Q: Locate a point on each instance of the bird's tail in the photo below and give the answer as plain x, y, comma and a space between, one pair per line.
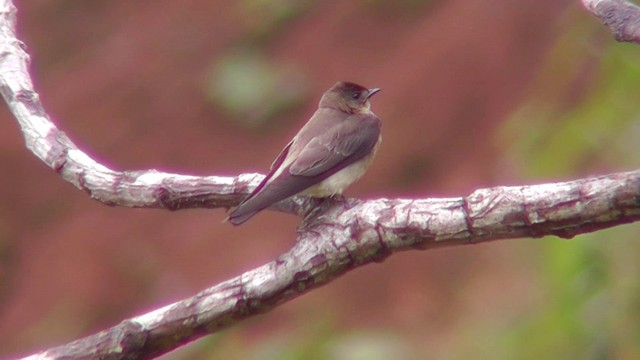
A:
238, 217
269, 193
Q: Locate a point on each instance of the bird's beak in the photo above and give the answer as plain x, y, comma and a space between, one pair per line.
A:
372, 92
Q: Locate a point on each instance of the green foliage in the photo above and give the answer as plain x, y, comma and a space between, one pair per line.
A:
583, 117
254, 90
557, 138
330, 343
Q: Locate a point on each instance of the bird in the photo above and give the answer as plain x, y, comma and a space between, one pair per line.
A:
330, 152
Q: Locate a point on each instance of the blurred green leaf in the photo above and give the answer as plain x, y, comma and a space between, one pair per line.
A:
330, 343
582, 110
253, 90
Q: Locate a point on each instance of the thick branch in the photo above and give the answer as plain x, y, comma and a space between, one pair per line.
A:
620, 16
354, 233
345, 235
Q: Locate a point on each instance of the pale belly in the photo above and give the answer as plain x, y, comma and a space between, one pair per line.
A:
338, 182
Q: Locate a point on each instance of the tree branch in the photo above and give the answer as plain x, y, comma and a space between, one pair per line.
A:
345, 234
354, 233
149, 188
620, 16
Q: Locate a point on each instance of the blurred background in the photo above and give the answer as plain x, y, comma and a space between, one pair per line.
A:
475, 94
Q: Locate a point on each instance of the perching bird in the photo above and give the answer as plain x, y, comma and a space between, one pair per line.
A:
331, 151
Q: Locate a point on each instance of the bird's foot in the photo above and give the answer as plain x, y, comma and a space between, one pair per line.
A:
318, 207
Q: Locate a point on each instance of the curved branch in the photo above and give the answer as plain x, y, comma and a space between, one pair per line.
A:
140, 188
345, 234
620, 16
149, 188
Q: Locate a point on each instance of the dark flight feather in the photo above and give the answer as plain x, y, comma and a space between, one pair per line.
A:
325, 155
340, 133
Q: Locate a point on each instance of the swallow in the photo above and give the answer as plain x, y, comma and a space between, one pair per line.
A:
331, 151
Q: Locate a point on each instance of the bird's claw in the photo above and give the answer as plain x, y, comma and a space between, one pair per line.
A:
319, 207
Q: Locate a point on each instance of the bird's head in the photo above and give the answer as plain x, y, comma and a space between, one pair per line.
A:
348, 97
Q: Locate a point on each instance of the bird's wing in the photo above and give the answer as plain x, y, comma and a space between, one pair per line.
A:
337, 148
326, 154
274, 168
246, 208
280, 159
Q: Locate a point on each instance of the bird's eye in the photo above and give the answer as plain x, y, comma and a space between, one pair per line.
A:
355, 95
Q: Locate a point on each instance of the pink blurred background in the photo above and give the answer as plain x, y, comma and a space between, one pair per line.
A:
142, 85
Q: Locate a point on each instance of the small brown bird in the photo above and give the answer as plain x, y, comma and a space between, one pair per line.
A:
331, 151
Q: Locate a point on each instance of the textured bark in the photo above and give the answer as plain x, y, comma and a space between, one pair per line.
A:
353, 233
620, 16
342, 234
